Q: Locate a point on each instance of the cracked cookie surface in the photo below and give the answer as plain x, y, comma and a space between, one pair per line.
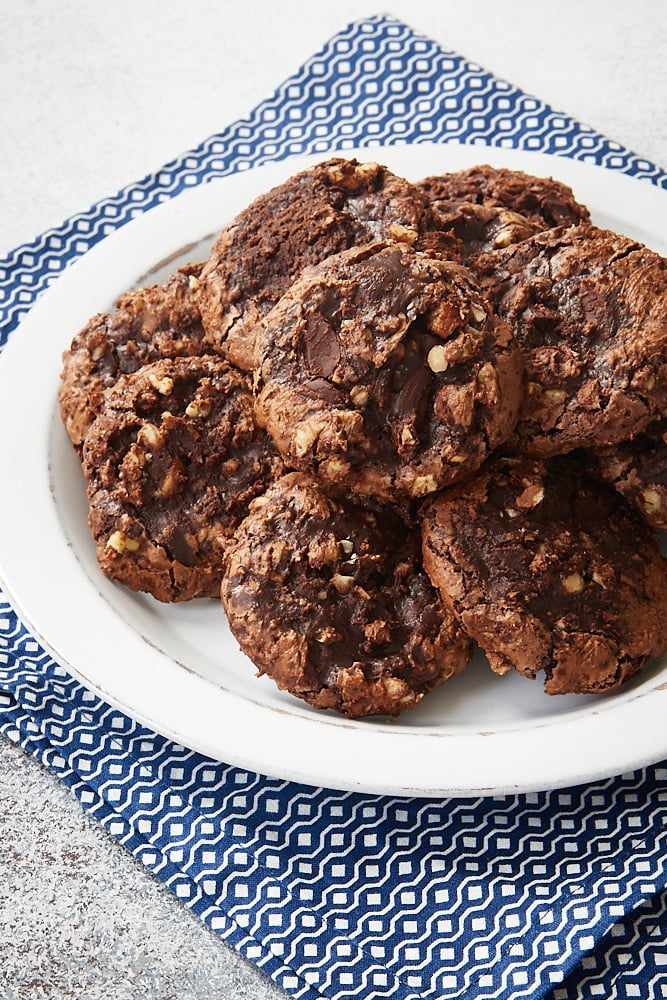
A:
145, 325
332, 206
172, 462
385, 371
543, 201
549, 569
588, 308
332, 603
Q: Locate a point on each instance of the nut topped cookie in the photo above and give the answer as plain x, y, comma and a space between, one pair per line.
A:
159, 321
549, 569
588, 308
332, 603
385, 371
320, 211
543, 201
172, 462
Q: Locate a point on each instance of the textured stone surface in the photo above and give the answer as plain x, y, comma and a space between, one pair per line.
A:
82, 918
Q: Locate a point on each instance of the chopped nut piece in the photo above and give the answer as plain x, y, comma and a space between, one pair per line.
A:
99, 352
198, 408
573, 584
347, 545
378, 631
359, 395
501, 670
350, 179
121, 542
504, 237
532, 496
395, 685
478, 313
173, 482
436, 359
488, 381
164, 386
650, 500
327, 634
149, 434
401, 233
343, 584
554, 395
423, 485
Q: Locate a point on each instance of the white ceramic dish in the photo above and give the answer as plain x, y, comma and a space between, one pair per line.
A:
177, 668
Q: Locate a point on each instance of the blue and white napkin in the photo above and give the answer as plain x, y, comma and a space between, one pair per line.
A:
335, 894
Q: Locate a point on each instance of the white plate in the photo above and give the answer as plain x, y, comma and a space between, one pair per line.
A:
176, 668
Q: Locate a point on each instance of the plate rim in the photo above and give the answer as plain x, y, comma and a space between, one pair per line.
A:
484, 760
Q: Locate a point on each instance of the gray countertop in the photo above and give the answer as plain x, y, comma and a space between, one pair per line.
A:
81, 918
99, 94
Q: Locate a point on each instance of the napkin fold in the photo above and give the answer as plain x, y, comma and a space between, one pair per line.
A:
338, 894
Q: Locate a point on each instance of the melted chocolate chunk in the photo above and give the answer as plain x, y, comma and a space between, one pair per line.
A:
321, 347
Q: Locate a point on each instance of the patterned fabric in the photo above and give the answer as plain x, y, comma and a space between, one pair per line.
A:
337, 894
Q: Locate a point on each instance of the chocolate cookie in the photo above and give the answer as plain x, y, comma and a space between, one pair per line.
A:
549, 570
172, 462
332, 603
638, 470
589, 309
160, 321
481, 228
541, 200
327, 208
384, 371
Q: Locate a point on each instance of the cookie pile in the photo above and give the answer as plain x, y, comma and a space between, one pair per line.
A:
385, 421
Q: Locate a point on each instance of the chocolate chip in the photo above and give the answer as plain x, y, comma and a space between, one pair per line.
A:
321, 389
320, 346
411, 401
179, 547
